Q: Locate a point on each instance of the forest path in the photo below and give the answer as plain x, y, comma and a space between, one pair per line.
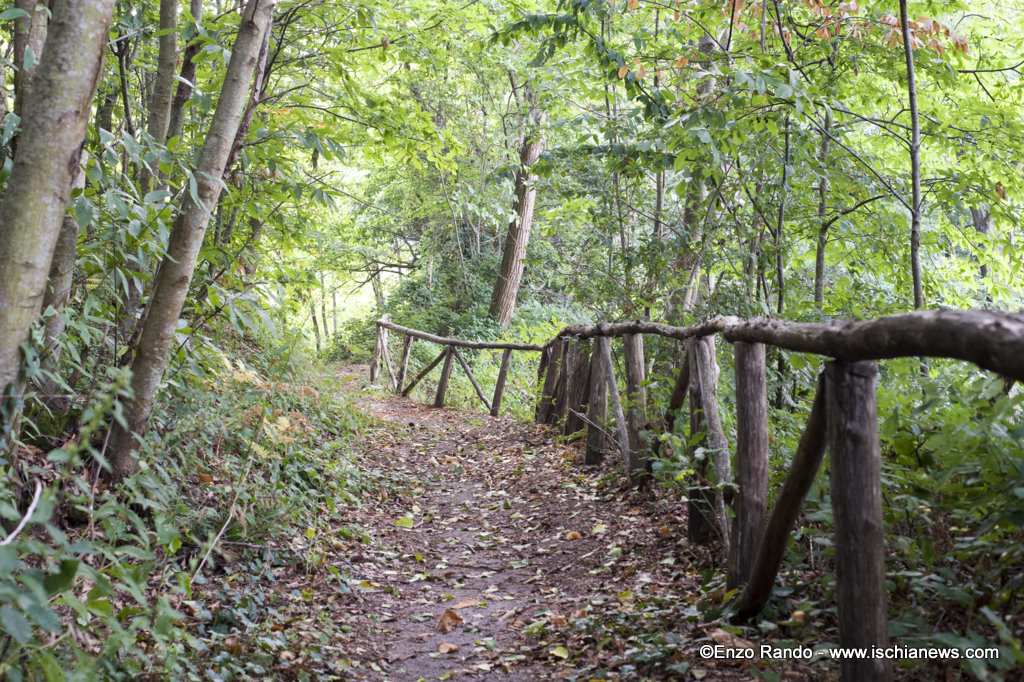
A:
497, 555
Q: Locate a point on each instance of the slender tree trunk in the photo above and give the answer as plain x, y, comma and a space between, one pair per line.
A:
187, 76
56, 112
506, 287
175, 272
316, 326
163, 87
58, 292
819, 255
29, 39
915, 162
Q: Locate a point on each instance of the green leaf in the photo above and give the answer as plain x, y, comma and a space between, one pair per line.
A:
15, 625
560, 652
59, 581
12, 13
405, 522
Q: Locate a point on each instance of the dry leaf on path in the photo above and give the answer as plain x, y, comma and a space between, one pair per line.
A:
449, 619
730, 640
446, 648
465, 603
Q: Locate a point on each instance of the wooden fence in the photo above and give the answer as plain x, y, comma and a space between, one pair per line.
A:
577, 382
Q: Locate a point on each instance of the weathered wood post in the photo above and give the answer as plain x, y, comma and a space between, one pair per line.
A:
403, 367
499, 387
579, 388
597, 408
852, 427
378, 353
751, 461
707, 505
547, 396
560, 405
446, 372
802, 470
636, 407
604, 347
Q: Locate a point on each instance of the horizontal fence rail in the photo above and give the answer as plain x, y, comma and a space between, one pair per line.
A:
576, 383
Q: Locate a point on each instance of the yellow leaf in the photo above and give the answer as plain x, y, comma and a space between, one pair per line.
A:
572, 535
560, 652
405, 522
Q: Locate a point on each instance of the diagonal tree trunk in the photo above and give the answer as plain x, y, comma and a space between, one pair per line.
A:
56, 112
506, 287
175, 272
163, 88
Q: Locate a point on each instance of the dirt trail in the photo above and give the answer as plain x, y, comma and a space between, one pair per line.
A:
503, 557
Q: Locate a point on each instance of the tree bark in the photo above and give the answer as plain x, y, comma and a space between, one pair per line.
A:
506, 287
176, 270
444, 341
316, 325
597, 409
57, 110
704, 375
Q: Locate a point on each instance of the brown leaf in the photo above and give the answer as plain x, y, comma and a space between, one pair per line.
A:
572, 535
730, 640
623, 71
446, 648
465, 603
449, 619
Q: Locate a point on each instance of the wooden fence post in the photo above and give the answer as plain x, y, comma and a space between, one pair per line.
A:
499, 387
804, 467
547, 396
403, 368
751, 461
636, 407
446, 372
856, 489
579, 387
378, 344
560, 406
597, 409
707, 505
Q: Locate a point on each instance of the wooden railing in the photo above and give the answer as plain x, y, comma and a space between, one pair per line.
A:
843, 419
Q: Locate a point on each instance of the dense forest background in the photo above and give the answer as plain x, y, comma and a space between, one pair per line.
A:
206, 205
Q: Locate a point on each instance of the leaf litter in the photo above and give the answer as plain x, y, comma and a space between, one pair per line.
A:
495, 536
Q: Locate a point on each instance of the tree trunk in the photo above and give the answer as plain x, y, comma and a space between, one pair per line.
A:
58, 291
29, 40
819, 255
56, 111
506, 287
172, 284
316, 326
636, 404
915, 162
163, 88
187, 76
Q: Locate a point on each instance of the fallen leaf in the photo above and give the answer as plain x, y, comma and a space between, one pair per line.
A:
730, 640
600, 528
446, 648
449, 619
560, 652
405, 522
572, 535
465, 603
